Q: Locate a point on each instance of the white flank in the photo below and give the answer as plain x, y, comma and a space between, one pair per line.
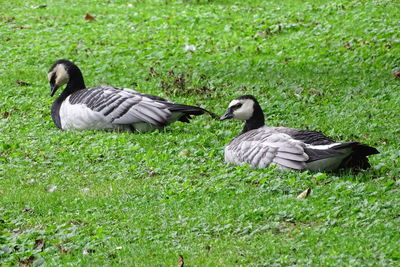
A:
143, 127
327, 164
80, 117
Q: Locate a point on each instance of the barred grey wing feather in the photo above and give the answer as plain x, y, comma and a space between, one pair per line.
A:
260, 148
122, 105
145, 111
152, 97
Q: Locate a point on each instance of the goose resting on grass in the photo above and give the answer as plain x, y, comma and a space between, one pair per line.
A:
107, 107
288, 148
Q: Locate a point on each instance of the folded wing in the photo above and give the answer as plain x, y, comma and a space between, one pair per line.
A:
123, 106
261, 148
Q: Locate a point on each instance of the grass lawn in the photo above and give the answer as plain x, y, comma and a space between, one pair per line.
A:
101, 198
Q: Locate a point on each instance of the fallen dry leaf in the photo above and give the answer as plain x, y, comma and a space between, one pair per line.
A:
397, 74
314, 91
304, 194
26, 262
22, 27
348, 46
10, 19
300, 90
181, 263
6, 114
22, 83
184, 153
39, 244
62, 249
28, 209
1, 192
89, 17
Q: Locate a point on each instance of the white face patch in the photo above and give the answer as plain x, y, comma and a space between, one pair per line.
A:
245, 111
62, 76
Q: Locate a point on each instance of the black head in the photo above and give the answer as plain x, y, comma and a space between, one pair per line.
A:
245, 108
62, 72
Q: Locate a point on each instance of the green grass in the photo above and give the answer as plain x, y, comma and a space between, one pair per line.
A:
143, 199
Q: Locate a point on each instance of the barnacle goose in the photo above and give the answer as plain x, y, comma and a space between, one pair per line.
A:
288, 148
107, 107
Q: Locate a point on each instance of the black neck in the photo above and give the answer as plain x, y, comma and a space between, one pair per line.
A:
55, 111
75, 82
256, 121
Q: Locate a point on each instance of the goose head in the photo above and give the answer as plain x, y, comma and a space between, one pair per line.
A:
245, 108
65, 72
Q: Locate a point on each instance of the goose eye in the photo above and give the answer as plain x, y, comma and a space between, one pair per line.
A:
238, 105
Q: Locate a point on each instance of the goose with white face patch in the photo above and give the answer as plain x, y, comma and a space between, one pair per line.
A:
288, 148
107, 107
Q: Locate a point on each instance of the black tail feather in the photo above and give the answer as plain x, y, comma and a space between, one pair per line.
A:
188, 111
358, 148
358, 157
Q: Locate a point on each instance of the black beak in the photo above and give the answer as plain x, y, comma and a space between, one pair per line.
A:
53, 89
228, 115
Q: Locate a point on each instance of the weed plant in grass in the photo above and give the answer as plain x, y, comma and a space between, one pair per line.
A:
101, 198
